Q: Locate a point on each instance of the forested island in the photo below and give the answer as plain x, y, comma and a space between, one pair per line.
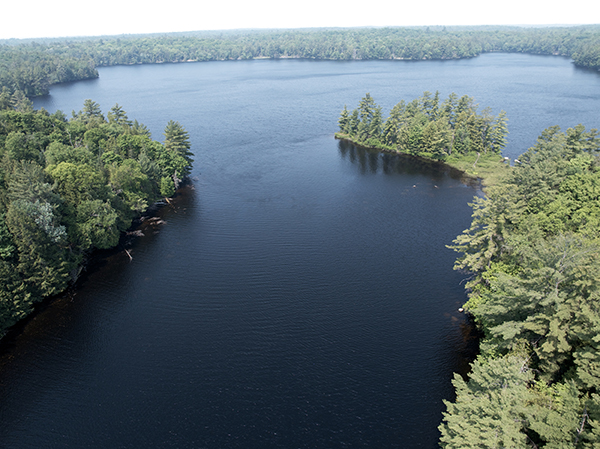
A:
533, 256
68, 187
31, 67
452, 131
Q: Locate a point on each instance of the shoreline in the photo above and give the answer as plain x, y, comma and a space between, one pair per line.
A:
492, 167
151, 216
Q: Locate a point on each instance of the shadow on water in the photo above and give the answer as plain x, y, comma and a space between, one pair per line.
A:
468, 350
372, 161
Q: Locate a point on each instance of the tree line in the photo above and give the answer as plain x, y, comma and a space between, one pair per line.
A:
533, 256
32, 67
426, 126
68, 186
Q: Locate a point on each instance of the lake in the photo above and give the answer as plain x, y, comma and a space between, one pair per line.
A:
300, 293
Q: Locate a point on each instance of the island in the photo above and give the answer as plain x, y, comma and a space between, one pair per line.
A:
451, 131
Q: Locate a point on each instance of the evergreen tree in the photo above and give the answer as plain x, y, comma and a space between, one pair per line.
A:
491, 408
6, 102
21, 102
91, 113
376, 125
177, 140
343, 120
353, 122
561, 418
118, 116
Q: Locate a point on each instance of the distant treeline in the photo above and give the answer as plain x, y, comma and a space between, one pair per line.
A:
32, 67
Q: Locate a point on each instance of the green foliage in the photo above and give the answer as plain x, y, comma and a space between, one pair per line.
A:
97, 225
344, 119
42, 265
58, 152
558, 415
131, 184
69, 186
424, 127
91, 114
77, 183
118, 116
177, 141
534, 250
167, 188
491, 409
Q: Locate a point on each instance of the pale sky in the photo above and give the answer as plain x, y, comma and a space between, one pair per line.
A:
58, 18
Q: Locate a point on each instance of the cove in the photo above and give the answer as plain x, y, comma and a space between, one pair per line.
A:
300, 293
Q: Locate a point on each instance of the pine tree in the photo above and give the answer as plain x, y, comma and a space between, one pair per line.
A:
353, 122
177, 140
118, 116
343, 120
376, 125
490, 409
6, 101
21, 102
91, 113
560, 418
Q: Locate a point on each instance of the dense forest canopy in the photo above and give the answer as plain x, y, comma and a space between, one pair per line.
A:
533, 252
69, 186
426, 126
32, 67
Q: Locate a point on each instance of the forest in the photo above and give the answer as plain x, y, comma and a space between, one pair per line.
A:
426, 126
32, 66
532, 255
68, 186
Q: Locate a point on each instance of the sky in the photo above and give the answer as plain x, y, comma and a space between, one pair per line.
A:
62, 18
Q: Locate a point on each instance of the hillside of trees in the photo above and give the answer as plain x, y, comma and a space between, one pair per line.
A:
31, 67
69, 186
533, 256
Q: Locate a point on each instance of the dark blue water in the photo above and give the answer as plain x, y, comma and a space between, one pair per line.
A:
300, 294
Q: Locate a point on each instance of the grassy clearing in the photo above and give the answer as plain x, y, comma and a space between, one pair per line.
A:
490, 168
